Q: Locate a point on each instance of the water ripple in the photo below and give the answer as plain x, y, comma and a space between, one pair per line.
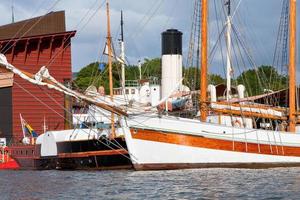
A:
280, 183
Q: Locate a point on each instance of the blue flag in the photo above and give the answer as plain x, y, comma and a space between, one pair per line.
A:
101, 66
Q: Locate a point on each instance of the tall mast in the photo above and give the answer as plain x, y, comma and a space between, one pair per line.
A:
292, 67
203, 83
228, 37
122, 53
110, 67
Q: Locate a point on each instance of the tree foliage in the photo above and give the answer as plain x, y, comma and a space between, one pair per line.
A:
256, 81
93, 75
265, 78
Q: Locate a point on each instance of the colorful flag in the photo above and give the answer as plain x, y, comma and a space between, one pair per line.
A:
27, 128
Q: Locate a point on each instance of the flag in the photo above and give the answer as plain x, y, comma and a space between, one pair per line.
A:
30, 131
101, 66
27, 129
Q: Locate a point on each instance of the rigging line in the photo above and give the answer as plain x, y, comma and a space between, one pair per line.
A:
95, 70
237, 64
213, 51
87, 13
19, 38
192, 36
248, 55
148, 20
100, 61
139, 31
244, 79
173, 9
102, 73
280, 53
144, 18
279, 33
43, 102
259, 46
146, 14
118, 145
60, 114
236, 9
67, 45
220, 24
198, 41
37, 9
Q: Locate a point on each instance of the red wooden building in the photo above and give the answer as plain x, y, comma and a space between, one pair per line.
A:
29, 45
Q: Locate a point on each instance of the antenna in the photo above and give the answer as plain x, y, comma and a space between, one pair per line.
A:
122, 24
12, 12
122, 46
228, 4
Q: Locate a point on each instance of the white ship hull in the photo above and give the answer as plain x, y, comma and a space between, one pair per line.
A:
172, 143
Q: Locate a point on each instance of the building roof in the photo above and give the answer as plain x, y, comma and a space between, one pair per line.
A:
53, 22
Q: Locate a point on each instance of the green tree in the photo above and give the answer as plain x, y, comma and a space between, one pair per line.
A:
215, 79
86, 75
92, 75
192, 78
264, 78
151, 68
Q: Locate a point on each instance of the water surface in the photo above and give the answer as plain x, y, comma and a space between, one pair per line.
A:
280, 183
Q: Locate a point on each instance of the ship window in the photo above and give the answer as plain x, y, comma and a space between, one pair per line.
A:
135, 131
32, 152
132, 91
127, 91
26, 152
21, 152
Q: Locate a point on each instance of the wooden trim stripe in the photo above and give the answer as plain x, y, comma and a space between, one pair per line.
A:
93, 153
217, 144
173, 166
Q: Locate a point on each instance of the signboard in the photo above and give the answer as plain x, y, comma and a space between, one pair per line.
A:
2, 141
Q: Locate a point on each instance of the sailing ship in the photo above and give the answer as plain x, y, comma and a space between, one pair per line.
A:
166, 142
156, 141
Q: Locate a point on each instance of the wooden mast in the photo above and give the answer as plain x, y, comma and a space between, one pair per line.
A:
110, 68
292, 67
203, 56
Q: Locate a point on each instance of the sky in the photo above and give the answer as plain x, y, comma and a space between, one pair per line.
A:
145, 20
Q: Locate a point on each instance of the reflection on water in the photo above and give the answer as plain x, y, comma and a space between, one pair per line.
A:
280, 183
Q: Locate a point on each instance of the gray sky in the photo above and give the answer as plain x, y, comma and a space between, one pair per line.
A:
145, 20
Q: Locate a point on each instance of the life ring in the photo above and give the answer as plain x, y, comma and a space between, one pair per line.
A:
236, 123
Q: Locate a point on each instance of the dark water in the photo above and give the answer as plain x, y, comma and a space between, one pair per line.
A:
280, 183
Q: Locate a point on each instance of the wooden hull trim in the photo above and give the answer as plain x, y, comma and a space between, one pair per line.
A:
216, 144
176, 166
